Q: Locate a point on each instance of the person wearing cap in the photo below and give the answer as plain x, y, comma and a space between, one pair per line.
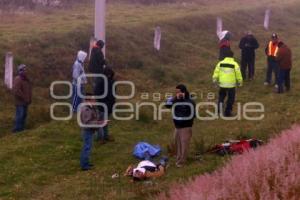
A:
22, 90
90, 124
248, 45
284, 59
79, 79
183, 118
227, 75
271, 52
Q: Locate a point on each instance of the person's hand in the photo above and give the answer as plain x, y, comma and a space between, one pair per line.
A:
239, 84
103, 122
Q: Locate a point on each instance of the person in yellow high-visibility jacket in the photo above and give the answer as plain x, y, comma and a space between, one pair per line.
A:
228, 76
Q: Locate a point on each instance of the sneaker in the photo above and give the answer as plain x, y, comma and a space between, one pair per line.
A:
86, 169
91, 165
276, 86
266, 83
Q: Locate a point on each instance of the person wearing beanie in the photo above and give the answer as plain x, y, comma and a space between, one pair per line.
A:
248, 45
227, 75
284, 59
22, 90
79, 79
271, 52
183, 118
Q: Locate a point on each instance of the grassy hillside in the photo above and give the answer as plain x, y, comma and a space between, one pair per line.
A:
43, 163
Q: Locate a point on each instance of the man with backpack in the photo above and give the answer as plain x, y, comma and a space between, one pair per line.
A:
227, 75
90, 124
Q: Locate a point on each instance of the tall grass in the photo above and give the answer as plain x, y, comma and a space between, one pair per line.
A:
271, 172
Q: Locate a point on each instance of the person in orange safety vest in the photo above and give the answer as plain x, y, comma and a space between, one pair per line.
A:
271, 52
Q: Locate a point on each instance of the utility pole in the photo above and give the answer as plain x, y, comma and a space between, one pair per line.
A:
100, 11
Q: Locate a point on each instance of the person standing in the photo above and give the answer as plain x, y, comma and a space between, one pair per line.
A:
224, 44
271, 52
183, 117
90, 124
97, 60
109, 101
227, 75
284, 59
79, 79
22, 90
248, 45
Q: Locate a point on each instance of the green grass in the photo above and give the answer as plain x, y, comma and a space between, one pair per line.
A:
43, 162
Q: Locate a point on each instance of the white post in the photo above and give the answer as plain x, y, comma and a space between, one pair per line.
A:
100, 8
8, 75
219, 25
267, 19
157, 38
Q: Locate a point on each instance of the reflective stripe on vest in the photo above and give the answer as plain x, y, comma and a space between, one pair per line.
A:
228, 85
273, 49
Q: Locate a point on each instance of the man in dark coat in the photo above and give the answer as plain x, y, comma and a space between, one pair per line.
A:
109, 100
22, 90
284, 59
248, 45
97, 60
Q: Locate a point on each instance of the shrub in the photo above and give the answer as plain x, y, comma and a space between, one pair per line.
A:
271, 172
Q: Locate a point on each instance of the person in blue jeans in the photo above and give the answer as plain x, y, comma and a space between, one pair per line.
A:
22, 90
271, 52
284, 59
90, 124
20, 119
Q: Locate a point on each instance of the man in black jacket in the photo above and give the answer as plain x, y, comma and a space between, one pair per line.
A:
248, 45
109, 100
183, 117
97, 61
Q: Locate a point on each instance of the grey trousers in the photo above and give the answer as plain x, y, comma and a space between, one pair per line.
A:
182, 141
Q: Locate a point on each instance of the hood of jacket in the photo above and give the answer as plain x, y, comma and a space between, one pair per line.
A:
81, 56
